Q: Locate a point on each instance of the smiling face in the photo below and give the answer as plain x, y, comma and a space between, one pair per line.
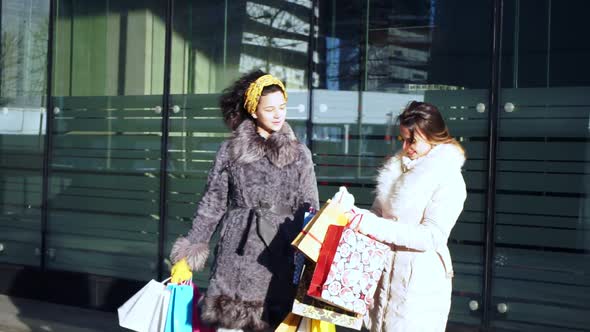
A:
271, 113
415, 147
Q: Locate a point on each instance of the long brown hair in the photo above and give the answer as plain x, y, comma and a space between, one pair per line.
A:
427, 119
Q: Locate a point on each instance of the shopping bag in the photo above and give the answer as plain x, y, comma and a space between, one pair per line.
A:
198, 325
310, 307
146, 310
180, 308
299, 257
304, 325
310, 239
159, 319
327, 253
289, 324
349, 269
321, 326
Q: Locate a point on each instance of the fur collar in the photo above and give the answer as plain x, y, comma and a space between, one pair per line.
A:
247, 146
443, 155
441, 160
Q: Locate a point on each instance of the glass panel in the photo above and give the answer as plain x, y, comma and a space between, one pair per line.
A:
370, 67
542, 261
213, 44
23, 64
104, 184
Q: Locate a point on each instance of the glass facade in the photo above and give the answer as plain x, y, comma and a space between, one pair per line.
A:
104, 170
23, 80
542, 217
103, 158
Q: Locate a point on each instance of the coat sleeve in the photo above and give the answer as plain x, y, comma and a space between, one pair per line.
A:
440, 216
194, 247
308, 187
376, 208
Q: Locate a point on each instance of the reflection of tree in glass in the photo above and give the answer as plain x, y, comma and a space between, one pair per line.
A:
23, 56
9, 46
38, 53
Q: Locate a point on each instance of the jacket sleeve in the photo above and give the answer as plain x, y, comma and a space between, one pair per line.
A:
308, 187
211, 208
376, 208
440, 217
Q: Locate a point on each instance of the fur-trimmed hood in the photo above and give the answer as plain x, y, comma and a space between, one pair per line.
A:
247, 146
442, 159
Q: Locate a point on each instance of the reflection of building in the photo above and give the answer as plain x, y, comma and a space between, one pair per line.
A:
281, 31
22, 121
398, 56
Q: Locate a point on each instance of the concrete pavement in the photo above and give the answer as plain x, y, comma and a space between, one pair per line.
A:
24, 315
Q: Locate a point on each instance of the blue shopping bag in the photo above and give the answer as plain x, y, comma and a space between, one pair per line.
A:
299, 257
180, 309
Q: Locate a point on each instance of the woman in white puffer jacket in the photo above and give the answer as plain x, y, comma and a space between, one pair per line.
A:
420, 194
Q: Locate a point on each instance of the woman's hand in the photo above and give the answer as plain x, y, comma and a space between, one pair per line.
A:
373, 225
180, 272
368, 224
344, 198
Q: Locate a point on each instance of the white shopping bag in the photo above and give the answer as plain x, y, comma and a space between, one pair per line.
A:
304, 325
146, 310
158, 322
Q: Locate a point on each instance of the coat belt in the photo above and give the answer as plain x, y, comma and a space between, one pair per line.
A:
264, 227
402, 248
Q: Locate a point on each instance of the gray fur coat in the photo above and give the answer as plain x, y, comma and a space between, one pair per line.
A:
256, 193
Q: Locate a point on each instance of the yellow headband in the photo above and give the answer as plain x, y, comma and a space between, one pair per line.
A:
255, 91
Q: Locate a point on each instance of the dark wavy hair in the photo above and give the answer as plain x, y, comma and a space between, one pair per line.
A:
427, 119
231, 101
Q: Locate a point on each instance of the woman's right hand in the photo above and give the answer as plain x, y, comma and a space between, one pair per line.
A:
344, 198
180, 272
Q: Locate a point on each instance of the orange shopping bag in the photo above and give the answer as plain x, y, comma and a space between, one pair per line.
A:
310, 239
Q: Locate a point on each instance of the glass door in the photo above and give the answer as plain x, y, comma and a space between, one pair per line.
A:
438, 52
370, 67
541, 267
104, 185
23, 72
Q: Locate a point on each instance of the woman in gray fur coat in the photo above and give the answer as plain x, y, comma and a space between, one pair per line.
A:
261, 183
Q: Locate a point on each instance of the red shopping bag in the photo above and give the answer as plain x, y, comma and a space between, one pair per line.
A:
198, 326
326, 257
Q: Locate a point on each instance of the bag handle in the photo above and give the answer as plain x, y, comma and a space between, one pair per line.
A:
353, 219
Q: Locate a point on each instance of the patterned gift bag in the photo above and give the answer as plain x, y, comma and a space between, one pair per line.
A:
310, 307
349, 269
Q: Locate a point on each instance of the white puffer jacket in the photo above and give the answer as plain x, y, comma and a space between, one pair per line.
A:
417, 205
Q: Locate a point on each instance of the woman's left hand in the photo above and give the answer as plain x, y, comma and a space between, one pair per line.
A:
371, 224
180, 272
